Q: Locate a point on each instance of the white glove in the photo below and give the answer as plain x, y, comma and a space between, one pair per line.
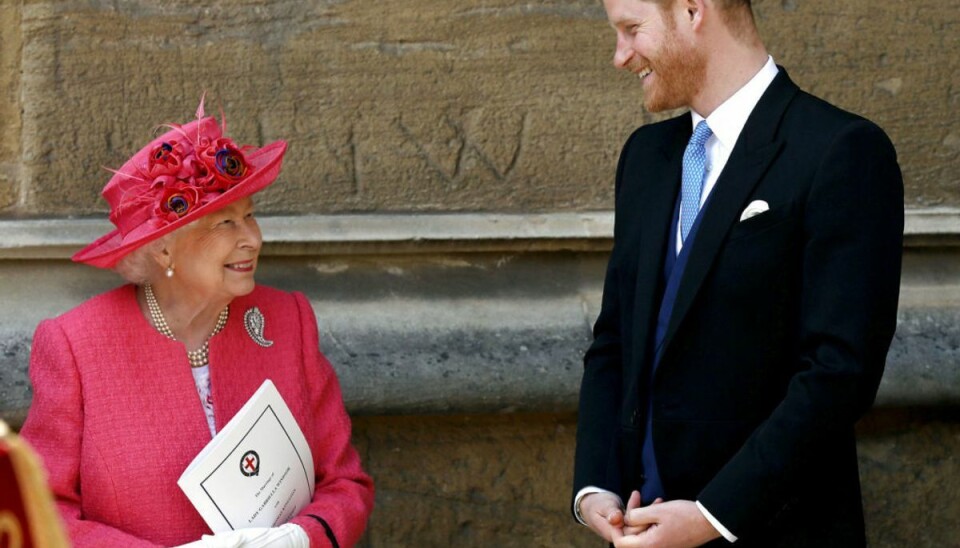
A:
287, 535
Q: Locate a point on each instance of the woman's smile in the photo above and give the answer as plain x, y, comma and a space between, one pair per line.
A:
246, 266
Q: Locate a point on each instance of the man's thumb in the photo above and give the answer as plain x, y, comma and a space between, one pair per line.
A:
615, 518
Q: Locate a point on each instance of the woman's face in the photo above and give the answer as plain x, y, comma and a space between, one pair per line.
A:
215, 257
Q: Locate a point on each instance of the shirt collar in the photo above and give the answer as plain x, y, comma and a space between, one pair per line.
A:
728, 119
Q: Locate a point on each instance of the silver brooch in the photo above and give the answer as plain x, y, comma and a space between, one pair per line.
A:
253, 321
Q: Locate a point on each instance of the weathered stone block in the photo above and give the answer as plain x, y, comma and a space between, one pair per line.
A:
506, 480
429, 105
9, 186
9, 105
910, 476
471, 481
892, 62
406, 106
9, 84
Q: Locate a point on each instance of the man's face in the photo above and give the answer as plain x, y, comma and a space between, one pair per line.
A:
656, 44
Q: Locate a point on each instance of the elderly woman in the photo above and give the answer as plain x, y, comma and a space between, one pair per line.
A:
131, 385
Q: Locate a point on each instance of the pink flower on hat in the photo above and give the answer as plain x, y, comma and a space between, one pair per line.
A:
165, 159
200, 174
176, 200
184, 175
225, 161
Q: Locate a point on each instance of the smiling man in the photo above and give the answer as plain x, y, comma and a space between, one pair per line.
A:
749, 302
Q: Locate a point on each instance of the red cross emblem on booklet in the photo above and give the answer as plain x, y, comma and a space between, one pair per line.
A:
250, 464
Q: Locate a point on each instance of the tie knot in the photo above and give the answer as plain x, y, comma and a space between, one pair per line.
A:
701, 133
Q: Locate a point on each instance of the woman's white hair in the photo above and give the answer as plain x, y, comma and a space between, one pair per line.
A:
139, 266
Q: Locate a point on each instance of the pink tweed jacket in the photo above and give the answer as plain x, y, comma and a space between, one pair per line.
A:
116, 418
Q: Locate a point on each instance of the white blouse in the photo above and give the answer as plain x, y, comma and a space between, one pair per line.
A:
201, 376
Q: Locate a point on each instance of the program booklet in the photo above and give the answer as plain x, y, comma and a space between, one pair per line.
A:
256, 472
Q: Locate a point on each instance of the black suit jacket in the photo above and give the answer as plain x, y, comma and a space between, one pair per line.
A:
779, 331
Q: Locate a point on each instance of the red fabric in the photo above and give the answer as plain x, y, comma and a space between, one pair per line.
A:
11, 504
116, 417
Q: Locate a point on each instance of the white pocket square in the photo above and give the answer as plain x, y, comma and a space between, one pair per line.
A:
755, 208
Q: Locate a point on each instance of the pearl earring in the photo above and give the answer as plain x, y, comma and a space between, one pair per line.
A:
170, 271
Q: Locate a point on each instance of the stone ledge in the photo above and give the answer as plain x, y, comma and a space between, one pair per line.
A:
415, 233
932, 227
474, 333
515, 367
352, 234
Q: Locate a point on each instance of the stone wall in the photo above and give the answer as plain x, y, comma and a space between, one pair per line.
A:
422, 105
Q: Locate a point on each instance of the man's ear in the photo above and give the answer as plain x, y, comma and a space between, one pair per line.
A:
695, 10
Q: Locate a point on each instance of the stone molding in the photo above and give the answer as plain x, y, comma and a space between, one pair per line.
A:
462, 313
416, 232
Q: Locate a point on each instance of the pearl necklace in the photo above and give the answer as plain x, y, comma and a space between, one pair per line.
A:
198, 357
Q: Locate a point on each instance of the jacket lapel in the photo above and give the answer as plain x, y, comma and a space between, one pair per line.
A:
657, 200
755, 150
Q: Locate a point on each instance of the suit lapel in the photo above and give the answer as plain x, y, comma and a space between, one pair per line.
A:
657, 200
755, 150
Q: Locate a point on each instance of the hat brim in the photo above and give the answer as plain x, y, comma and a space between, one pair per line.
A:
107, 250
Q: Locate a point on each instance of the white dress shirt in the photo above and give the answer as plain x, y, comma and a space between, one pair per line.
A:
726, 123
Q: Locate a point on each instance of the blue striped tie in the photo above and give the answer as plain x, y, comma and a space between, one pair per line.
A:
694, 168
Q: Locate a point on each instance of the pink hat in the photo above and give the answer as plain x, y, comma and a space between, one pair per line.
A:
184, 174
